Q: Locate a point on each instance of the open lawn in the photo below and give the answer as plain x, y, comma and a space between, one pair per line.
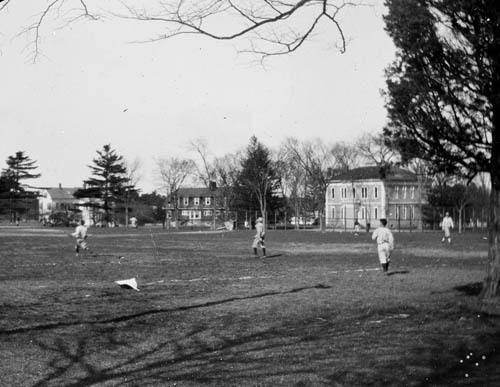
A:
317, 312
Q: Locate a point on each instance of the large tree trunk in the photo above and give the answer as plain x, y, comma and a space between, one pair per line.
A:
491, 289
491, 292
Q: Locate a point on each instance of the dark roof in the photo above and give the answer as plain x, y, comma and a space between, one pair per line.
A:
62, 193
196, 192
376, 173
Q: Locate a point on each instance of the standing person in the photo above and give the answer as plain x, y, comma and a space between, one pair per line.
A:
385, 244
447, 225
81, 237
356, 228
259, 238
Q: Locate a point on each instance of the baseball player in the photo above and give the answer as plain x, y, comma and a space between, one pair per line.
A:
81, 237
385, 244
259, 237
447, 225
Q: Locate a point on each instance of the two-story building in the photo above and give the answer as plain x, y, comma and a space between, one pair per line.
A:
53, 200
367, 194
196, 206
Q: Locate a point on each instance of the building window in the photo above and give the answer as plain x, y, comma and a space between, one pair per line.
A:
375, 213
363, 213
405, 212
404, 192
397, 212
342, 212
207, 201
333, 193
364, 192
208, 212
343, 193
413, 212
196, 201
333, 212
412, 192
353, 192
185, 201
185, 213
375, 192
396, 193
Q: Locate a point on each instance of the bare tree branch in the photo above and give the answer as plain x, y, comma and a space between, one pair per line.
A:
272, 27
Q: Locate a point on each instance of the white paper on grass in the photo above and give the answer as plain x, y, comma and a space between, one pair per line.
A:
130, 283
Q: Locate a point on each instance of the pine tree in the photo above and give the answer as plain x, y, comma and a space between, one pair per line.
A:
108, 182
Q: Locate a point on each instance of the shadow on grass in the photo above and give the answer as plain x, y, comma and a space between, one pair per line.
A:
42, 327
472, 289
398, 272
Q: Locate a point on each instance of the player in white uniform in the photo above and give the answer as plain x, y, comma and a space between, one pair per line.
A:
385, 244
259, 237
81, 237
447, 225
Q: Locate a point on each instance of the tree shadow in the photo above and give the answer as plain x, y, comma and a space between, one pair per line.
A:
398, 272
472, 289
145, 313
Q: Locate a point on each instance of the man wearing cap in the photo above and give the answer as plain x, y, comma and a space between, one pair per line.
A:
385, 244
259, 237
447, 225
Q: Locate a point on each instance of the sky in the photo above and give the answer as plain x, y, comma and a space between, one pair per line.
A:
93, 86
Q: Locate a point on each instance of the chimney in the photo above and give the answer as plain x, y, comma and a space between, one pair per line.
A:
60, 186
212, 185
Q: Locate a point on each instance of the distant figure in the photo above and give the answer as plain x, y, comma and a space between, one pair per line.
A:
385, 244
356, 228
81, 237
447, 225
133, 222
18, 219
246, 225
258, 241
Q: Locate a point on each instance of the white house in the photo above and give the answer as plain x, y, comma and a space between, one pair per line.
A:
367, 194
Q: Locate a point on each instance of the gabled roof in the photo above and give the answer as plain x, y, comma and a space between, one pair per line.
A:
376, 173
59, 194
196, 192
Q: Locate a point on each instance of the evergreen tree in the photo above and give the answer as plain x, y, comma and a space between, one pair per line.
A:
108, 182
257, 180
13, 193
444, 96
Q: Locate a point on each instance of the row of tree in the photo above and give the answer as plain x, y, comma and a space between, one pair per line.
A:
292, 179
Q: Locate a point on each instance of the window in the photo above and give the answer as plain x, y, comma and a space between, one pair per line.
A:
333, 193
363, 213
343, 193
185, 213
332, 213
412, 192
185, 201
207, 201
396, 193
397, 213
208, 212
404, 192
342, 212
375, 192
353, 192
405, 212
364, 192
375, 213
196, 201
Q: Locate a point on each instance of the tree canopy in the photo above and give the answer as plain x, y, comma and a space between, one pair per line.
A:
443, 95
109, 181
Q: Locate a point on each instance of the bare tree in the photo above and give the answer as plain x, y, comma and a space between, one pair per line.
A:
172, 172
271, 27
345, 156
374, 149
133, 168
205, 165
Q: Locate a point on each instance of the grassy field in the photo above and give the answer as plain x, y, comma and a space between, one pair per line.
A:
317, 312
